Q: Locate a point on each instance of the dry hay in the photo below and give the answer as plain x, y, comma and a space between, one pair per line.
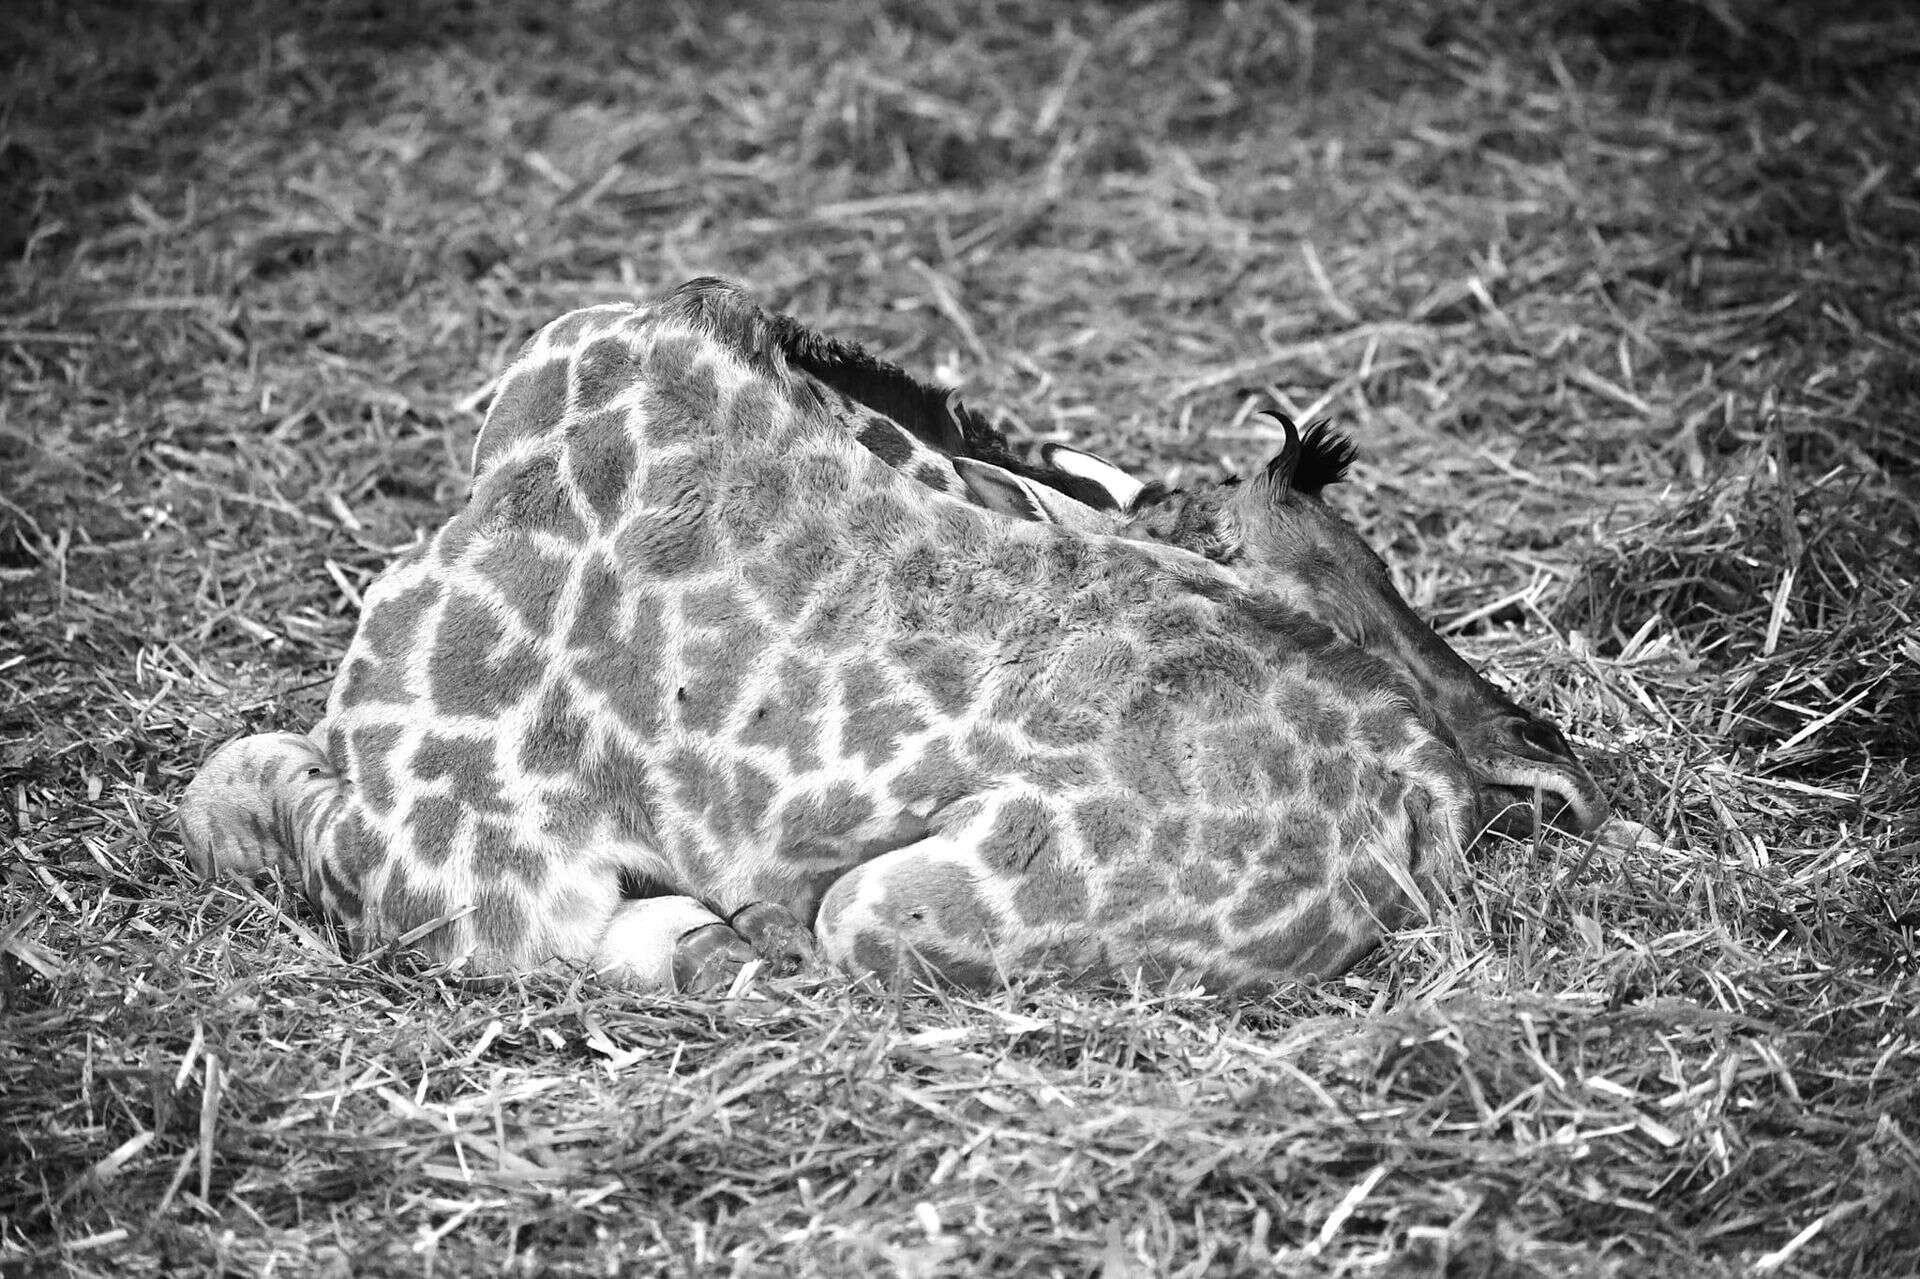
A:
1618, 297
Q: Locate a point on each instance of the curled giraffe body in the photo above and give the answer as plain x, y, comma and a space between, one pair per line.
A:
696, 676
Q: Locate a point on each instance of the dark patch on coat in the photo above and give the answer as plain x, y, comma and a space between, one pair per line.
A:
406, 903
829, 813
531, 403
500, 922
357, 848
887, 441
366, 682
369, 764
434, 823
787, 715
526, 496
466, 764
555, 741
470, 671
527, 578
391, 628
1111, 827
946, 671
937, 778
711, 685
497, 856
601, 461
1022, 834
602, 370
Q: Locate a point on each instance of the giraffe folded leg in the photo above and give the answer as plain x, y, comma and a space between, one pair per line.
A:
928, 909
678, 943
252, 803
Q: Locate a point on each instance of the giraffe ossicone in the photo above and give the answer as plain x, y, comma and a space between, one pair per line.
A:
699, 674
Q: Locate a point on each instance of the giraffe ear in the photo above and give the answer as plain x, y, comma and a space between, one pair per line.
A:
1280, 470
999, 489
1116, 483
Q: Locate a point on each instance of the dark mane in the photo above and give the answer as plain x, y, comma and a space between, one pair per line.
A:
1325, 456
923, 409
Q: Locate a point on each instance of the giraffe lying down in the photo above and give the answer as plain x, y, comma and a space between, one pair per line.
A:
696, 677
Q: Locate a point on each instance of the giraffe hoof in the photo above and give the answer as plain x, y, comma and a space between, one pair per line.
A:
708, 958
776, 937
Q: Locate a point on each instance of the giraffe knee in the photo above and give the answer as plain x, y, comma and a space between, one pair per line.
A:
916, 920
227, 816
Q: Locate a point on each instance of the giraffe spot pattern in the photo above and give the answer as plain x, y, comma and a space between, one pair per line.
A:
830, 813
937, 778
556, 739
567, 332
603, 370
672, 537
754, 792
497, 855
467, 766
596, 615
1055, 722
698, 786
601, 462
616, 785
530, 403
369, 752
472, 670
876, 722
342, 897
1111, 826
679, 411
788, 715
406, 903
886, 441
357, 850
1235, 840
1279, 887
946, 671
528, 579
627, 672
1331, 778
434, 822
1022, 834
882, 519
390, 626
526, 496
500, 919
994, 752
364, 681
713, 684
1133, 886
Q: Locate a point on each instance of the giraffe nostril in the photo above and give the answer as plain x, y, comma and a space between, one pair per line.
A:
1540, 736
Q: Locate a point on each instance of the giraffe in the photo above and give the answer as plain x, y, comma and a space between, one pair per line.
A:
1298, 548
696, 678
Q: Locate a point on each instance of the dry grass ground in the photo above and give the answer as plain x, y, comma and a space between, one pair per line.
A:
1618, 296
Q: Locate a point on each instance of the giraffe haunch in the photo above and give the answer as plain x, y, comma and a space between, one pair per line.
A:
696, 669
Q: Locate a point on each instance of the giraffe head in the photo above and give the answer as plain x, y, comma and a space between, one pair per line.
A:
1277, 532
